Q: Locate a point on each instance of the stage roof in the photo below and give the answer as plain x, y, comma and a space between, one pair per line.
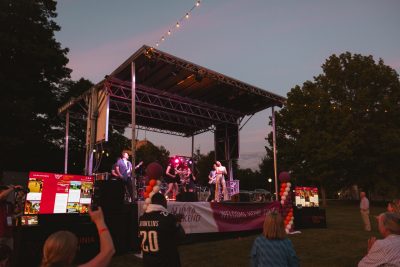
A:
176, 96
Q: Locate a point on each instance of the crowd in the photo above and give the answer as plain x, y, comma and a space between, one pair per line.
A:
161, 231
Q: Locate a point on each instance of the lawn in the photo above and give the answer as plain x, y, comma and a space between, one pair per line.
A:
342, 243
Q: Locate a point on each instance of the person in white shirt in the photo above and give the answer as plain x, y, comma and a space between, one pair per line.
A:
220, 180
364, 209
386, 251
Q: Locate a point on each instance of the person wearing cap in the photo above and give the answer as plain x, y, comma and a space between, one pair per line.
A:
386, 251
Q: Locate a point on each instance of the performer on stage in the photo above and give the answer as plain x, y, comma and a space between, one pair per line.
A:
220, 179
124, 170
185, 175
172, 179
211, 183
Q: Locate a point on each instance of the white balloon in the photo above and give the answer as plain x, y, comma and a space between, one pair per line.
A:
283, 197
282, 201
285, 194
158, 182
287, 189
147, 200
151, 194
156, 188
288, 184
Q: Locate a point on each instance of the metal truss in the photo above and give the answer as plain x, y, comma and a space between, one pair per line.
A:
154, 53
150, 97
191, 123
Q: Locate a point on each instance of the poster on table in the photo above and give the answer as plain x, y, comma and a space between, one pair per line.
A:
306, 196
51, 193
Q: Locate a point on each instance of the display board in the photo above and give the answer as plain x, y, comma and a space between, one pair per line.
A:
51, 193
306, 196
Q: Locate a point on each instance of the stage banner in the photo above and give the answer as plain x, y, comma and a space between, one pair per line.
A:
231, 217
205, 217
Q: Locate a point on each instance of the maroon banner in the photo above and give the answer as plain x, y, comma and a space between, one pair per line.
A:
241, 216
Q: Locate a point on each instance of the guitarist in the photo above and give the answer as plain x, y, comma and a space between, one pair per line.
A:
211, 182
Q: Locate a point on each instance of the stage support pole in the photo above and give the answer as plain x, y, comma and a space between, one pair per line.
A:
274, 150
192, 153
66, 142
133, 123
90, 130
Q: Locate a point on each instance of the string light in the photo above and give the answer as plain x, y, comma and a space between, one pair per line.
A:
178, 24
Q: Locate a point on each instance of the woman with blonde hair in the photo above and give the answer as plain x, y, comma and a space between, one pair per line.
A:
273, 248
60, 248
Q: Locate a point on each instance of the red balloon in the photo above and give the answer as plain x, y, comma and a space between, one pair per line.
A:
146, 195
152, 182
149, 188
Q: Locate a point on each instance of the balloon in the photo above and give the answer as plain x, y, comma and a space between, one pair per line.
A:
156, 188
284, 177
283, 184
154, 170
282, 201
285, 194
151, 194
145, 207
149, 188
283, 197
146, 195
152, 182
147, 201
158, 182
287, 189
288, 184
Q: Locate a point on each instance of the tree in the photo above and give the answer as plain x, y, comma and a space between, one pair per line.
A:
343, 128
32, 65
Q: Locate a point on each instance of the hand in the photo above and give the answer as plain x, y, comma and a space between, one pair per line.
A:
371, 242
97, 215
18, 187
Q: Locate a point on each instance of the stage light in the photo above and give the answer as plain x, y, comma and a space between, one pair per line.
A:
162, 38
177, 25
94, 150
187, 15
190, 162
156, 44
176, 161
169, 32
103, 152
197, 3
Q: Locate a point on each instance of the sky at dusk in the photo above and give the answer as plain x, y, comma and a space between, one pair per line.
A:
273, 45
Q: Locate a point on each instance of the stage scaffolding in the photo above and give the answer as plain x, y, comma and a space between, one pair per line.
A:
171, 96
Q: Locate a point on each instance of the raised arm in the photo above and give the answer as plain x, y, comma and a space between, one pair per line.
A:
107, 249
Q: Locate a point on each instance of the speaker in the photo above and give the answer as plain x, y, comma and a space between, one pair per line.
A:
186, 197
109, 195
226, 139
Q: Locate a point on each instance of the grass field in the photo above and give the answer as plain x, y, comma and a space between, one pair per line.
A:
342, 243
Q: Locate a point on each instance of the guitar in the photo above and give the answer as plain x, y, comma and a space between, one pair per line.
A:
213, 179
140, 164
